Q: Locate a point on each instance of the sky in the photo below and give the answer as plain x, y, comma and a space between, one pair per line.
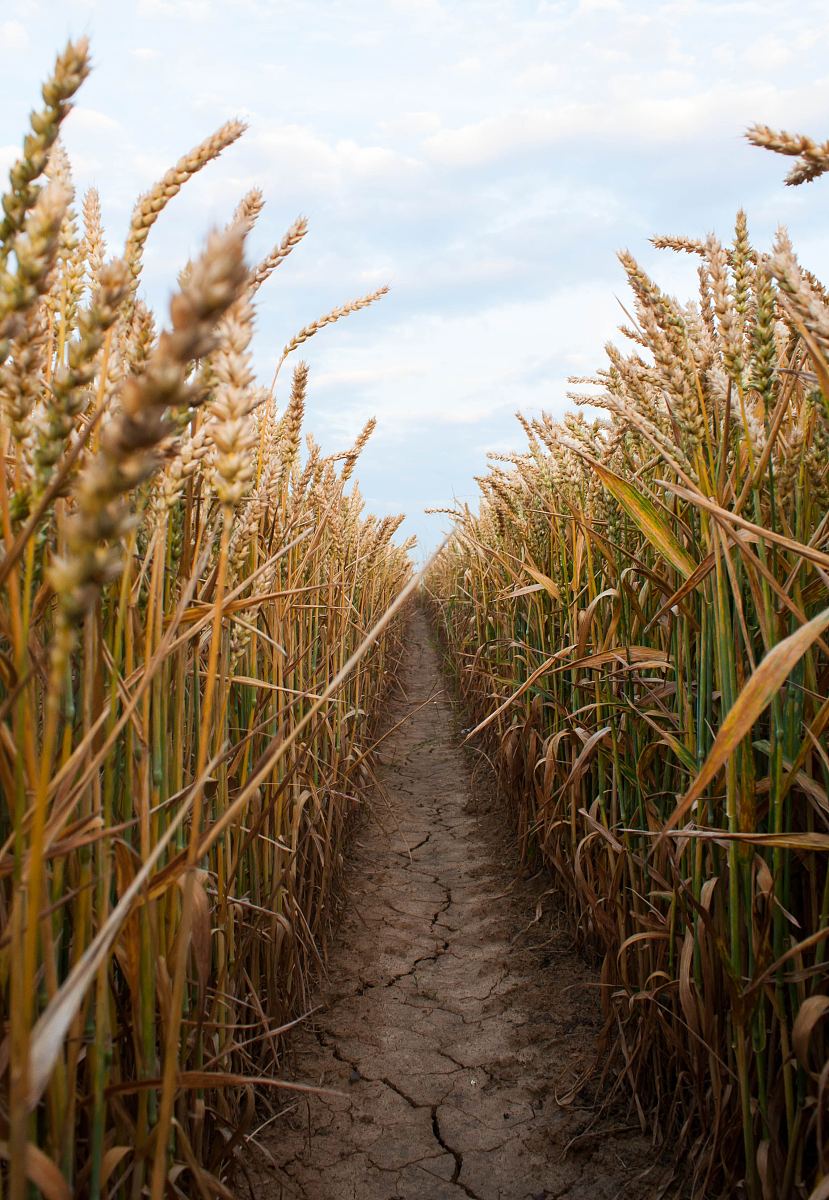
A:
485, 158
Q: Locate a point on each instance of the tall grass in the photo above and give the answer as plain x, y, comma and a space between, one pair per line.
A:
638, 618
187, 689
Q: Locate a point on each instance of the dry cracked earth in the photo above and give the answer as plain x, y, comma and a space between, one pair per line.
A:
450, 1018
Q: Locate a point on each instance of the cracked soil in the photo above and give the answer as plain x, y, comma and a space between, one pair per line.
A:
450, 1019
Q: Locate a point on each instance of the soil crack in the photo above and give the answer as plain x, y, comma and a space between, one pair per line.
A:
447, 1036
458, 1157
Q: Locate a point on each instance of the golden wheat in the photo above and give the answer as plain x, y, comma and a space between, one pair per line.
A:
638, 620
180, 618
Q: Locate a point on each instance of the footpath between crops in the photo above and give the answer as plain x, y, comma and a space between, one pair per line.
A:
451, 1018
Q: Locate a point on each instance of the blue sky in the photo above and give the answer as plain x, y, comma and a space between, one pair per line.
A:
484, 157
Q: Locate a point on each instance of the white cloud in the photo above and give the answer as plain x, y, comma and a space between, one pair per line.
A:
431, 11
634, 118
433, 7
91, 120
479, 364
486, 141
312, 160
188, 10
13, 36
366, 38
372, 376
410, 124
539, 76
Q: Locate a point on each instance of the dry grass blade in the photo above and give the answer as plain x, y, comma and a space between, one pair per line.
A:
754, 698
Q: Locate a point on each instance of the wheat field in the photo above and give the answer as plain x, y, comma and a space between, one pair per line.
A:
637, 619
202, 627
195, 635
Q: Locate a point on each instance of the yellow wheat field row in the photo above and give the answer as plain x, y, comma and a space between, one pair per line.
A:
187, 687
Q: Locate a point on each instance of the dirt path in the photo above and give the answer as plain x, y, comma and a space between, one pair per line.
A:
445, 1023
